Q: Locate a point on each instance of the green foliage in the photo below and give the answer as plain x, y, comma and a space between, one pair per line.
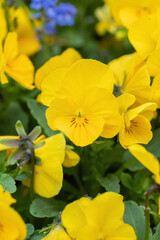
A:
134, 216
42, 207
7, 182
110, 183
38, 112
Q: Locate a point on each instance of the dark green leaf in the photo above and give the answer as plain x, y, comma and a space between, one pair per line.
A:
110, 183
38, 112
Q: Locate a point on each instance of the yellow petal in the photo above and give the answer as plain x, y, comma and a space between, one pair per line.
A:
146, 158
125, 101
51, 85
3, 24
4, 79
71, 159
21, 70
104, 208
155, 88
12, 224
131, 114
141, 36
49, 175
10, 46
85, 74
119, 68
6, 197
73, 216
139, 131
153, 63
83, 129
65, 60
57, 233
138, 85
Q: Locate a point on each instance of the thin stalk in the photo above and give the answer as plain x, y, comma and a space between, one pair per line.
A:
30, 146
147, 209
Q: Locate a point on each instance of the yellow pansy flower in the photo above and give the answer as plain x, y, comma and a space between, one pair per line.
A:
12, 227
147, 159
136, 128
27, 40
146, 39
62, 61
86, 107
107, 23
48, 176
57, 233
101, 218
131, 76
18, 67
126, 12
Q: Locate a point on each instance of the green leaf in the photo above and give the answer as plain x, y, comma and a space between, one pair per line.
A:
134, 216
110, 183
156, 236
7, 183
3, 162
154, 144
38, 112
126, 180
37, 236
42, 207
30, 230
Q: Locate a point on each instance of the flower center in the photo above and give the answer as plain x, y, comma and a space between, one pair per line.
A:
79, 121
129, 129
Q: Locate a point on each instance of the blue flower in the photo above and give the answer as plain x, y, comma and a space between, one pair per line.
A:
54, 15
65, 14
36, 4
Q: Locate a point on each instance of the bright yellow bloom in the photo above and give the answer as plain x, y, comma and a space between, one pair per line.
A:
48, 176
62, 61
147, 159
85, 108
18, 67
107, 23
101, 218
146, 39
27, 40
126, 12
136, 128
131, 76
12, 227
57, 233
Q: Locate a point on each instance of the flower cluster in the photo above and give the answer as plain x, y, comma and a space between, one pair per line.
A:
54, 15
100, 218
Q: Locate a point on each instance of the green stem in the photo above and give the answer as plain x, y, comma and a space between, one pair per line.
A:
30, 146
147, 209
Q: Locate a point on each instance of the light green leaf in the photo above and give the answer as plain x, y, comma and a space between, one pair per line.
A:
7, 183
42, 207
110, 183
134, 216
